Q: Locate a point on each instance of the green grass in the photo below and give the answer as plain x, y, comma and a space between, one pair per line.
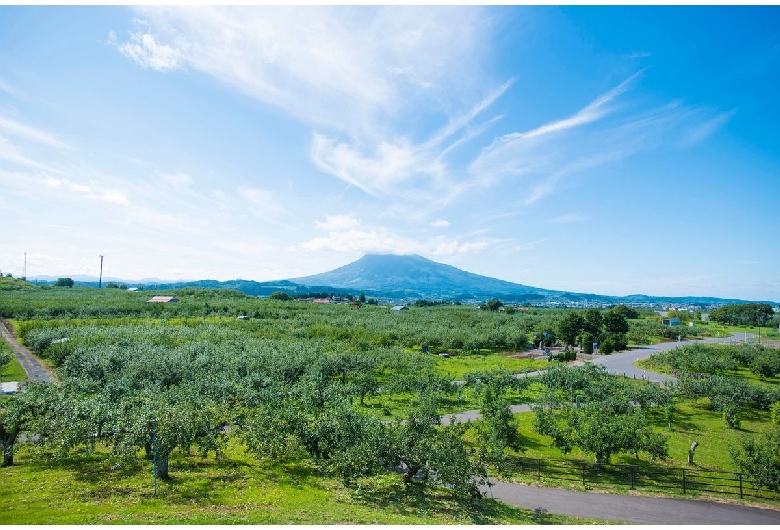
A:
13, 371
233, 489
457, 366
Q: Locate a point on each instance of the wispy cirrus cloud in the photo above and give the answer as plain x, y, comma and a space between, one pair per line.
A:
339, 68
26, 132
698, 132
603, 132
398, 167
353, 74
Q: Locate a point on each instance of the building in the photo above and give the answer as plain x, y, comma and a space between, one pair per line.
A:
674, 321
161, 300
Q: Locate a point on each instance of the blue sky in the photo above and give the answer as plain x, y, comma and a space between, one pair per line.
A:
614, 150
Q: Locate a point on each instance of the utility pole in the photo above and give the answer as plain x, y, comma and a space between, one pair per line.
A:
100, 281
24, 272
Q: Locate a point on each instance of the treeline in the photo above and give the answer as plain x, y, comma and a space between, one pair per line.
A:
743, 314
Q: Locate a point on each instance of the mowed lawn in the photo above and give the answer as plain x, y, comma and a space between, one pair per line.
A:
236, 488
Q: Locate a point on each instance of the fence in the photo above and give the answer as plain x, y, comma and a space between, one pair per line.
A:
645, 477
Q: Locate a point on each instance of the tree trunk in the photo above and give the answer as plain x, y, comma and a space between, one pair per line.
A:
410, 473
8, 448
162, 466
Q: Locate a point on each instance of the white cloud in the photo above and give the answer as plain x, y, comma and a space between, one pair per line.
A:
336, 67
398, 167
440, 223
347, 237
338, 223
146, 51
353, 74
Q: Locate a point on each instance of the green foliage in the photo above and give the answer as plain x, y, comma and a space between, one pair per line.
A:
497, 429
570, 326
64, 282
280, 295
774, 412
587, 343
759, 457
742, 314
5, 356
593, 321
615, 322
613, 342
625, 311
766, 362
494, 305
586, 407
601, 429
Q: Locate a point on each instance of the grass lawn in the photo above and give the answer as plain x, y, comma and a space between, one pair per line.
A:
13, 371
235, 489
457, 366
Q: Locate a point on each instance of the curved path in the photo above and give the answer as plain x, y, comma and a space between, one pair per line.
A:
630, 508
35, 370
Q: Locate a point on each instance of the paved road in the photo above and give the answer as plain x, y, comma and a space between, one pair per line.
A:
34, 368
631, 508
623, 362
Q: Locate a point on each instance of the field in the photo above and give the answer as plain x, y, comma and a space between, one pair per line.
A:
264, 411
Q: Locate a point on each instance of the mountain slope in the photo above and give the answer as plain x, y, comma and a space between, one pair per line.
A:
415, 276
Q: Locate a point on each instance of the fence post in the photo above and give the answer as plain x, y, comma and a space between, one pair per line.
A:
683, 481
539, 469
740, 485
632, 476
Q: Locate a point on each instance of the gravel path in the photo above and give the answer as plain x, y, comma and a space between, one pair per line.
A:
36, 371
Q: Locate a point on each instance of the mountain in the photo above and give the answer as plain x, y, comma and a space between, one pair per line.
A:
392, 277
415, 276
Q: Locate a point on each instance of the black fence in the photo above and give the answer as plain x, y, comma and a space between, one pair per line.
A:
645, 477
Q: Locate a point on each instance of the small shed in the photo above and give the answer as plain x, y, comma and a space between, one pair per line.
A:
11, 387
674, 321
161, 300
399, 307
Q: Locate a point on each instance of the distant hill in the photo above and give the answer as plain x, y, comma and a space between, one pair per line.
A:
393, 277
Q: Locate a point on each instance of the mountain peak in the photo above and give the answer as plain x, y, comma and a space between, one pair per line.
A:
414, 276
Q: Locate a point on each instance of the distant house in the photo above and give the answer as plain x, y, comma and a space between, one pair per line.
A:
11, 387
399, 308
161, 300
674, 321
321, 301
